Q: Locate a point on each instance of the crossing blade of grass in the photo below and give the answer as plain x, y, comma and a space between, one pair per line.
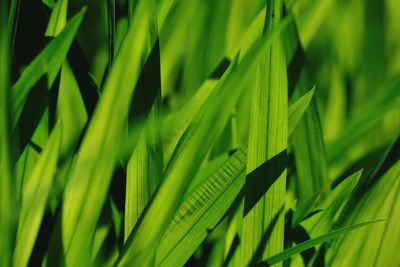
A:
7, 185
202, 211
387, 160
187, 234
379, 199
144, 172
34, 198
31, 153
267, 137
322, 222
209, 200
318, 219
140, 246
169, 195
47, 62
286, 254
183, 118
91, 176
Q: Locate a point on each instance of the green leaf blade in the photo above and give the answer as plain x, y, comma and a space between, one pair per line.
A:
91, 176
47, 62
313, 242
7, 185
267, 137
34, 198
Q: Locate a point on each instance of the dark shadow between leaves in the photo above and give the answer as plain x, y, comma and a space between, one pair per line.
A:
55, 250
319, 260
43, 240
81, 70
260, 180
220, 69
299, 235
295, 67
32, 112
148, 86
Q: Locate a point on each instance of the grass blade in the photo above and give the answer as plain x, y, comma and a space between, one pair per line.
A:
373, 199
286, 254
34, 198
13, 22
209, 199
202, 211
58, 18
91, 176
47, 62
144, 170
111, 33
309, 148
322, 222
267, 138
7, 186
140, 247
297, 109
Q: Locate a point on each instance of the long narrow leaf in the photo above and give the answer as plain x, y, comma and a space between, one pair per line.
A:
267, 137
34, 198
144, 170
7, 185
47, 62
91, 176
206, 204
202, 211
58, 18
286, 254
140, 247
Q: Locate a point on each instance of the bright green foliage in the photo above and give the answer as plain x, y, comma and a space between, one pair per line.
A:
88, 183
311, 243
34, 197
267, 137
199, 133
7, 183
373, 248
58, 18
202, 212
144, 168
